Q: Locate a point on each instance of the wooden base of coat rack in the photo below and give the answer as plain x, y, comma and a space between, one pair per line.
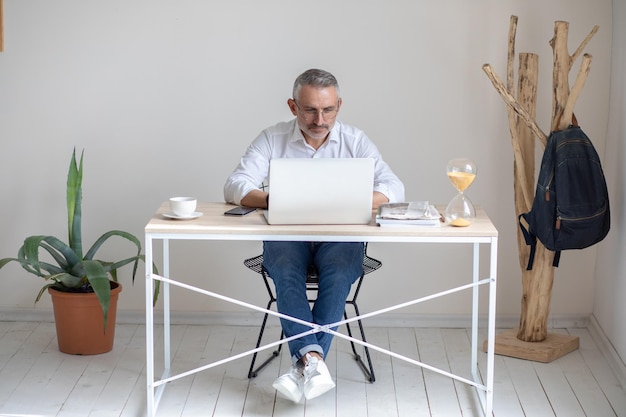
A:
553, 347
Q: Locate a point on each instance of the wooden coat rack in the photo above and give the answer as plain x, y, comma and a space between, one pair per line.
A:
531, 340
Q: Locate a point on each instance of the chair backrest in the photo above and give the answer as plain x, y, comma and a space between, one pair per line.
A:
256, 264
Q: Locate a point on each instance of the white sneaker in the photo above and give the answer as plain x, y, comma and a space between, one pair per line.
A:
290, 384
317, 379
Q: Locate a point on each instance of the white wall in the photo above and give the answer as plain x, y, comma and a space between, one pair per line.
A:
164, 96
609, 307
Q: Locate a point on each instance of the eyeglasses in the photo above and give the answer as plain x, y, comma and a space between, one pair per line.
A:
311, 113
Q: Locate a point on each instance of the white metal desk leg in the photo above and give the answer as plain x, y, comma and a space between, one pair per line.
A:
154, 396
149, 330
165, 288
475, 293
493, 271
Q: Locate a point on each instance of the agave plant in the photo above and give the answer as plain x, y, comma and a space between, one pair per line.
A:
75, 271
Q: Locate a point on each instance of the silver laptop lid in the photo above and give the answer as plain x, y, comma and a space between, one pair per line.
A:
321, 191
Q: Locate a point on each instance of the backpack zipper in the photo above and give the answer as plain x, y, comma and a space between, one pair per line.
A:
549, 183
547, 192
575, 219
568, 141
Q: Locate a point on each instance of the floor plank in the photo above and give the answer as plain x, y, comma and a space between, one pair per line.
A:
24, 368
440, 389
506, 401
411, 399
88, 389
381, 396
458, 349
528, 387
205, 387
602, 372
350, 381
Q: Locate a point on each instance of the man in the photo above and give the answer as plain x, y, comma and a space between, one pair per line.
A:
313, 133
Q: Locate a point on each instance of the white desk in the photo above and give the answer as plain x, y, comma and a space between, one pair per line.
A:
213, 225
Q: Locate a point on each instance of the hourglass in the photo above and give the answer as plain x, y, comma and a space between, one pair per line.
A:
460, 211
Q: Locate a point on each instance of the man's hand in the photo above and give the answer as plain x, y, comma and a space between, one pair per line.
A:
379, 198
255, 198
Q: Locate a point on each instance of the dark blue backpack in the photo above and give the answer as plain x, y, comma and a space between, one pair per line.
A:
571, 205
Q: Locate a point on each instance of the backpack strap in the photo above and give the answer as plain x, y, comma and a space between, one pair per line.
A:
531, 240
573, 122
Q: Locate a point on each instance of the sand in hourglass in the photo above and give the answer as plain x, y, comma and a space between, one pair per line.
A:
461, 180
460, 222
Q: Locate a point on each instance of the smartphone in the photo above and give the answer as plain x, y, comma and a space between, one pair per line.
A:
239, 211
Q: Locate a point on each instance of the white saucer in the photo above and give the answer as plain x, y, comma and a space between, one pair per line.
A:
193, 215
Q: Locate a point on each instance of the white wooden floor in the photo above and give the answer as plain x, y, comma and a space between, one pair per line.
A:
37, 380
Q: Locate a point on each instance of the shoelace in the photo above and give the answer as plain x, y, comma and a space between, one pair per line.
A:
310, 369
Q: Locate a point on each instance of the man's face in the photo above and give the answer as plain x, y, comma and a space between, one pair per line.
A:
316, 110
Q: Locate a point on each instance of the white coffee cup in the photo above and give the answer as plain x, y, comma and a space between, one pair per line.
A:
183, 206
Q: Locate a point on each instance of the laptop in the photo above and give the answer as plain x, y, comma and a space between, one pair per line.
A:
320, 191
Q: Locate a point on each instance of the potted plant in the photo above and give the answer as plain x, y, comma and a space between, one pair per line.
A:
78, 276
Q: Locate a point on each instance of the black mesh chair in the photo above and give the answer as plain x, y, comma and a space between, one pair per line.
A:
369, 265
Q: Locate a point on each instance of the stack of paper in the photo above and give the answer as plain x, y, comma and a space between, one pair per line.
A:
418, 213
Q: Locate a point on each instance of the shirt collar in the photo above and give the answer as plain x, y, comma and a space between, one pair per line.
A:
297, 136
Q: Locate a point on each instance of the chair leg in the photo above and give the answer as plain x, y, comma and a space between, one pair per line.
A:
368, 369
252, 372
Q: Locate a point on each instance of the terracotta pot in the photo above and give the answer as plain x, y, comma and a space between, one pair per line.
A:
79, 321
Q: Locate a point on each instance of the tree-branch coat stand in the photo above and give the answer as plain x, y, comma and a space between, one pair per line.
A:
531, 340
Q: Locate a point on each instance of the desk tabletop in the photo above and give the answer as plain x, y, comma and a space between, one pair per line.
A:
213, 222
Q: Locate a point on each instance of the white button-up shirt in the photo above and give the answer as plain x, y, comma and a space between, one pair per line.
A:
285, 140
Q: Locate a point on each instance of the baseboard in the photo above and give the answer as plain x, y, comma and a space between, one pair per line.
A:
606, 347
26, 314
253, 319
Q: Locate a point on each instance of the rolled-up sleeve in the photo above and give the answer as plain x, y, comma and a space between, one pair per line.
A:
385, 181
388, 184
251, 171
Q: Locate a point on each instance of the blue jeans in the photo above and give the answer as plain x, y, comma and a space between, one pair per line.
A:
339, 265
